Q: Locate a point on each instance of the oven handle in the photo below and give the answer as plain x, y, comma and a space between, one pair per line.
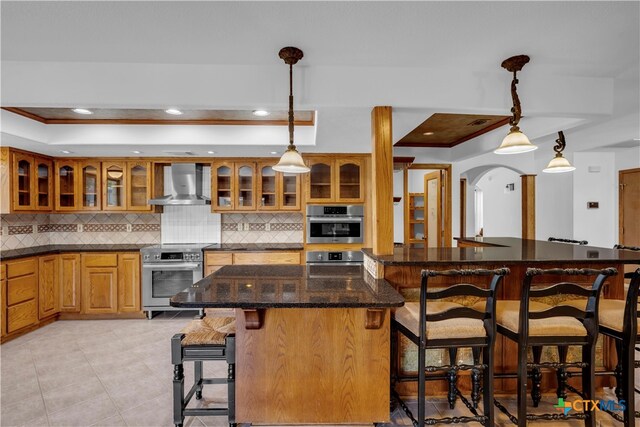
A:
189, 266
334, 219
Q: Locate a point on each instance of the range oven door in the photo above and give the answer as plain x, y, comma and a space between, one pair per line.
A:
162, 281
335, 229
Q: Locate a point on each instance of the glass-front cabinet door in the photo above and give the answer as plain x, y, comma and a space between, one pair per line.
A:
289, 191
66, 180
267, 188
90, 197
222, 186
44, 184
114, 186
245, 187
320, 181
23, 170
139, 191
349, 185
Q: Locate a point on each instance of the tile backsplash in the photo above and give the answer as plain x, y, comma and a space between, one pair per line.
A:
26, 230
197, 224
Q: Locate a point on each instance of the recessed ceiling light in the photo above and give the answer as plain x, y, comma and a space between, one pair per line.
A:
81, 111
211, 152
136, 152
636, 139
274, 152
261, 113
65, 151
428, 133
173, 111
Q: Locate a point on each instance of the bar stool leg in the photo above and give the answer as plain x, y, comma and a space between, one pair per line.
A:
536, 377
476, 378
561, 373
197, 375
619, 371
588, 382
487, 386
421, 384
627, 357
178, 380
452, 378
522, 384
231, 379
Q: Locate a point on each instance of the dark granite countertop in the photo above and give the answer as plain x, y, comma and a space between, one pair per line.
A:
58, 249
255, 247
288, 286
507, 250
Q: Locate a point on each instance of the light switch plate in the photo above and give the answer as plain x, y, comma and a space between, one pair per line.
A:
240, 227
246, 226
267, 226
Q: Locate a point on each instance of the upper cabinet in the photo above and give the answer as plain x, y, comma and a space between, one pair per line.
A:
114, 186
139, 186
336, 180
32, 183
66, 179
89, 192
253, 186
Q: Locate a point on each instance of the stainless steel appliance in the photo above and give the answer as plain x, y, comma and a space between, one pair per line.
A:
187, 186
335, 224
166, 270
334, 263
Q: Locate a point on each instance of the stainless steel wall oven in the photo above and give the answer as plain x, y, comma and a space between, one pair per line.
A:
335, 224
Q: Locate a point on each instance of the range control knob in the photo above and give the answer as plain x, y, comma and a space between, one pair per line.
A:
157, 256
320, 256
349, 257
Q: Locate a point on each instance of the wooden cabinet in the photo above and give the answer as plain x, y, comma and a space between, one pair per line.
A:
22, 294
222, 186
99, 283
70, 283
49, 286
129, 282
3, 300
277, 191
415, 219
114, 186
139, 186
32, 183
110, 283
89, 185
335, 180
245, 195
214, 261
66, 183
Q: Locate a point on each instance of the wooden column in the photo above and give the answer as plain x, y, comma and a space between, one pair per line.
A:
382, 180
528, 206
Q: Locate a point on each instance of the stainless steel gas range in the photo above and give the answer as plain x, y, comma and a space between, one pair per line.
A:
166, 270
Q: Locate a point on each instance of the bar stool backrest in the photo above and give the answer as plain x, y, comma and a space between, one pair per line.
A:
627, 248
461, 290
630, 326
588, 317
575, 242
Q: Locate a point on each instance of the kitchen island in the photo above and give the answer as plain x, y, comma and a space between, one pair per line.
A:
402, 269
312, 346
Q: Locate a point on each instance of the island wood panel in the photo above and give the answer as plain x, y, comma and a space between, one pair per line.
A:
409, 276
306, 366
49, 286
70, 283
249, 258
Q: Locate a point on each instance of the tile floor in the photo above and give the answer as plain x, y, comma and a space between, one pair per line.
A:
118, 373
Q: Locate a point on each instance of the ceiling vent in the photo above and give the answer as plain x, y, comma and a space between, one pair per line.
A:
478, 122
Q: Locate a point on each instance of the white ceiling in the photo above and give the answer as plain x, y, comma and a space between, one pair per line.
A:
419, 57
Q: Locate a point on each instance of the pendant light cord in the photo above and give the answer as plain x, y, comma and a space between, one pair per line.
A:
291, 145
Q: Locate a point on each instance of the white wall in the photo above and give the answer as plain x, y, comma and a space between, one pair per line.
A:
502, 208
597, 226
554, 200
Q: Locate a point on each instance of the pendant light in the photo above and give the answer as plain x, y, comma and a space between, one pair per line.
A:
559, 164
291, 161
515, 141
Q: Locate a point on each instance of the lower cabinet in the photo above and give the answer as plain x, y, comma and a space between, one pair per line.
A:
216, 260
70, 281
22, 294
3, 299
110, 283
49, 287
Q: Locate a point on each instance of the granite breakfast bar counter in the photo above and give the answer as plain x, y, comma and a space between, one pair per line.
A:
310, 348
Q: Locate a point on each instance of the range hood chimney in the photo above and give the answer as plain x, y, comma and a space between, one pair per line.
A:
187, 186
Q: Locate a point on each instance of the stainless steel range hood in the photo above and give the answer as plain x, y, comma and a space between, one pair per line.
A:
187, 186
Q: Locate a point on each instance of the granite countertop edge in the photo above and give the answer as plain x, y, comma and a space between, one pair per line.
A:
266, 305
255, 247
58, 249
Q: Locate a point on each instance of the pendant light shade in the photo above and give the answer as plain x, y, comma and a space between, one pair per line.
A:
291, 161
515, 141
559, 164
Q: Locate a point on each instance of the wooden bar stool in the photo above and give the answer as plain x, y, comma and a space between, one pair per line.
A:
448, 325
619, 320
209, 338
531, 324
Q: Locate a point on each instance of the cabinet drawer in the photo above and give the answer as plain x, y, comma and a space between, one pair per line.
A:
100, 260
22, 315
218, 259
22, 289
245, 258
22, 268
